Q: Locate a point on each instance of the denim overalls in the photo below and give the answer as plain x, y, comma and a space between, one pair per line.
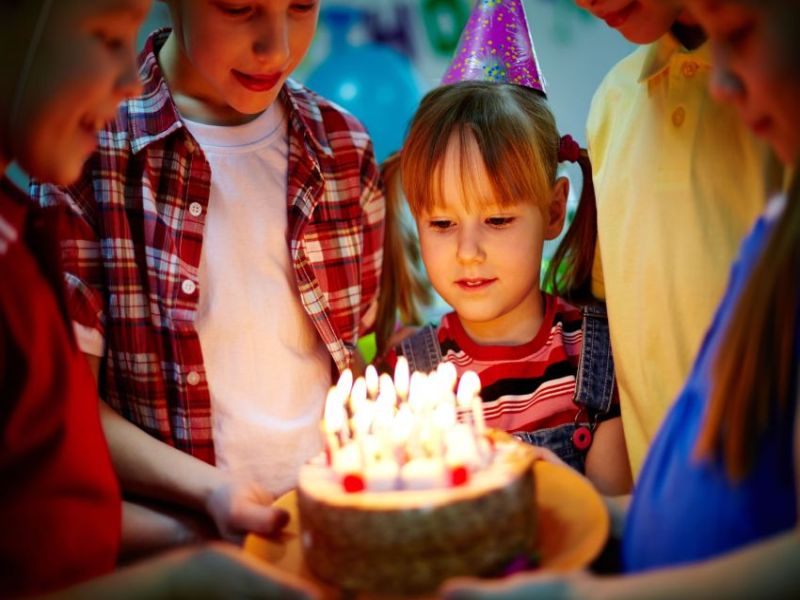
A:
594, 385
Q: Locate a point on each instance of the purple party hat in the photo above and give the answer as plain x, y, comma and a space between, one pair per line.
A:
496, 45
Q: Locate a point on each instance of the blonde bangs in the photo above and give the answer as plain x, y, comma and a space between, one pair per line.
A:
512, 129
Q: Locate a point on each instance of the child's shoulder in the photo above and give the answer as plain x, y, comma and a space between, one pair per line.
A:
333, 127
567, 314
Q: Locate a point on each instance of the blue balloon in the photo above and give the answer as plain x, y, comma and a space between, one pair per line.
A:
373, 81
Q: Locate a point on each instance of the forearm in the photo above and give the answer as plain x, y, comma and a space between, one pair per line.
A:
607, 465
765, 570
147, 529
152, 469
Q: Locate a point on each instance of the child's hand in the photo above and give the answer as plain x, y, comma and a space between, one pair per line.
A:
242, 507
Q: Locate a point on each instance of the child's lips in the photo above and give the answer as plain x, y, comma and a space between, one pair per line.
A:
618, 18
257, 83
475, 283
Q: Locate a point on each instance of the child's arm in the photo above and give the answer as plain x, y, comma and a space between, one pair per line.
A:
149, 468
607, 465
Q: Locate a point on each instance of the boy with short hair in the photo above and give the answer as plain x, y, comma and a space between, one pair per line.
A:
224, 258
661, 149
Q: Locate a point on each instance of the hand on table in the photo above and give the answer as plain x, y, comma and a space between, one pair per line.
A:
238, 508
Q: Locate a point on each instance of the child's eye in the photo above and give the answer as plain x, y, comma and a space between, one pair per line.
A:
304, 7
440, 224
235, 11
499, 221
110, 41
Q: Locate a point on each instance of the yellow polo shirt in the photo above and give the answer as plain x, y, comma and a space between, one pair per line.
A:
679, 182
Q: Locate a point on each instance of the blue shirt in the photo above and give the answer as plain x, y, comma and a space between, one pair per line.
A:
685, 509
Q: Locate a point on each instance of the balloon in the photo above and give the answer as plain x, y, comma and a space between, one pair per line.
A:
373, 81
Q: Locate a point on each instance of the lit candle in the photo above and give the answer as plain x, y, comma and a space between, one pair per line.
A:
345, 383
468, 397
333, 421
373, 385
401, 378
358, 396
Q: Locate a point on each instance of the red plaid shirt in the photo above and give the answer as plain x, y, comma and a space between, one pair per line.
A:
133, 252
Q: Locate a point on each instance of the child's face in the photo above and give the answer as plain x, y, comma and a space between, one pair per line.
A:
232, 57
485, 262
640, 21
756, 67
83, 67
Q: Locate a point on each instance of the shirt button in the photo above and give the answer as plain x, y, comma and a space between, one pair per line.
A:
190, 146
195, 209
689, 69
188, 286
193, 378
678, 116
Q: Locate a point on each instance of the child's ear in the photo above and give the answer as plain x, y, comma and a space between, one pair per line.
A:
557, 210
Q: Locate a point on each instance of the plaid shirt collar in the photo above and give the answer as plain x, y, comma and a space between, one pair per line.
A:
156, 116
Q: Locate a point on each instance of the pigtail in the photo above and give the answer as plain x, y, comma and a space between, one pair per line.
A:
405, 289
755, 367
569, 274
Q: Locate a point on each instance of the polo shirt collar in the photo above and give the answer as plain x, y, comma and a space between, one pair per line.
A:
660, 54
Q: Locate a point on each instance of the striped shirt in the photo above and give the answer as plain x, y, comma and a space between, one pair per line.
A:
527, 387
133, 250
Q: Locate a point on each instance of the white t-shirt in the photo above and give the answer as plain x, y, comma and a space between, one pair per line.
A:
267, 368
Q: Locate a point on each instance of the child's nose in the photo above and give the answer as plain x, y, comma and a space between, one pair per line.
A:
469, 249
271, 43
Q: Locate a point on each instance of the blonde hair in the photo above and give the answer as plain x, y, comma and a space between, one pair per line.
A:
513, 128
516, 134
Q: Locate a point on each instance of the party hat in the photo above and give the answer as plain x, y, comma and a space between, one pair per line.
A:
496, 45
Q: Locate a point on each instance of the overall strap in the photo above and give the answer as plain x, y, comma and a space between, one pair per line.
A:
422, 350
594, 388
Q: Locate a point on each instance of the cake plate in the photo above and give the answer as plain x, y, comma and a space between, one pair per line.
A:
573, 527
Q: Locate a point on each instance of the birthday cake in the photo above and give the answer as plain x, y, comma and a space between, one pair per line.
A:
399, 503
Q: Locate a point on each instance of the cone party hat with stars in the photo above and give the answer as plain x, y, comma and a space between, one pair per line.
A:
496, 45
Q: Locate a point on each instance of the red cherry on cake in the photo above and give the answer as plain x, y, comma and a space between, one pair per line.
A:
353, 482
459, 475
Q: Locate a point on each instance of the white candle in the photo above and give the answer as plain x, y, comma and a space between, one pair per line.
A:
373, 385
345, 383
461, 447
448, 374
423, 474
358, 395
348, 460
382, 475
401, 378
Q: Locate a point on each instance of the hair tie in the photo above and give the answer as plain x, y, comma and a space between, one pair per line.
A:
568, 149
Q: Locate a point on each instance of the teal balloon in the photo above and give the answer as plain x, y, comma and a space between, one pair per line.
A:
373, 81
